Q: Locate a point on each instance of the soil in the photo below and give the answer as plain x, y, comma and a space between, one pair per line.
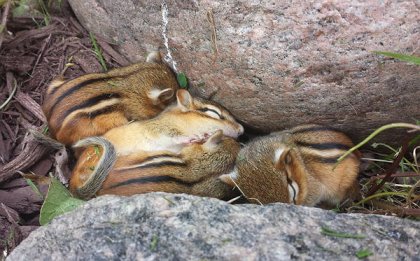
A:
32, 53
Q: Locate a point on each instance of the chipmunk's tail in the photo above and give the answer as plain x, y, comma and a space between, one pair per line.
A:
87, 187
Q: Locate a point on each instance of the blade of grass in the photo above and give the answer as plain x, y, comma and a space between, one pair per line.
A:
4, 19
34, 188
392, 169
363, 253
378, 195
404, 161
45, 12
98, 51
376, 132
402, 57
333, 233
411, 192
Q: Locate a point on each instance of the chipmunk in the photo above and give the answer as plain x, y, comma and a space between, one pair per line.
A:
297, 166
190, 120
194, 170
92, 104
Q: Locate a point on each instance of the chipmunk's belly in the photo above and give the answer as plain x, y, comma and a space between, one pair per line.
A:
146, 143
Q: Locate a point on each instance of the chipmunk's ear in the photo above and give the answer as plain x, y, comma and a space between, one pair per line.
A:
230, 178
282, 157
158, 96
184, 100
154, 57
214, 140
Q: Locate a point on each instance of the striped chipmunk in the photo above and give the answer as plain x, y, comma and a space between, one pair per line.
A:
189, 120
94, 103
194, 170
297, 166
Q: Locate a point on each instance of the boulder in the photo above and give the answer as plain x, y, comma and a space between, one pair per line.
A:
162, 226
277, 64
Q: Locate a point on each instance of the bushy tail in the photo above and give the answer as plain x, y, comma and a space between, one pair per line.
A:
102, 169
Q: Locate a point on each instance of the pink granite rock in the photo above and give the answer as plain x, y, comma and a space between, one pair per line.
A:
276, 64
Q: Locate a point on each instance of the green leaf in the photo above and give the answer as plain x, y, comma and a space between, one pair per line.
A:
402, 57
330, 232
363, 253
182, 80
58, 201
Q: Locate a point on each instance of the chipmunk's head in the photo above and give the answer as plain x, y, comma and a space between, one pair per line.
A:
215, 155
206, 116
268, 170
163, 83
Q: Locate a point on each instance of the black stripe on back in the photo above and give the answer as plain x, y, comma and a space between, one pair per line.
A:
57, 87
315, 128
154, 179
323, 146
331, 160
90, 102
72, 90
105, 110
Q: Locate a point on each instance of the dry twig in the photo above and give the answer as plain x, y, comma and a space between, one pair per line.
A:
392, 169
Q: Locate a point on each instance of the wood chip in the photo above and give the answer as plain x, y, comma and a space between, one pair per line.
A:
122, 61
34, 34
32, 153
10, 214
23, 200
28, 103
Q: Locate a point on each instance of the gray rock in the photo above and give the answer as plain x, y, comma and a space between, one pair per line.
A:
277, 64
161, 226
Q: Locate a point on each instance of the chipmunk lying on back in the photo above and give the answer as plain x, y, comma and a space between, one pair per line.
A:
297, 166
188, 121
92, 104
194, 170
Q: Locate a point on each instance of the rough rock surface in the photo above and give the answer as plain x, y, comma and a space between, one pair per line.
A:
161, 226
276, 64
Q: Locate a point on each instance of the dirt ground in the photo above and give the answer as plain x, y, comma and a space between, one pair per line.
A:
32, 53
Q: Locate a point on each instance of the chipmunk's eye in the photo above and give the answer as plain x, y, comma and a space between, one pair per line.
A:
212, 113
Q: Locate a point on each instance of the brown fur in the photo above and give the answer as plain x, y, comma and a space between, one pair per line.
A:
125, 96
305, 155
85, 165
178, 126
195, 171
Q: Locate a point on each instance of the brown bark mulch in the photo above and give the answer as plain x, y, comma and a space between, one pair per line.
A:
31, 55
